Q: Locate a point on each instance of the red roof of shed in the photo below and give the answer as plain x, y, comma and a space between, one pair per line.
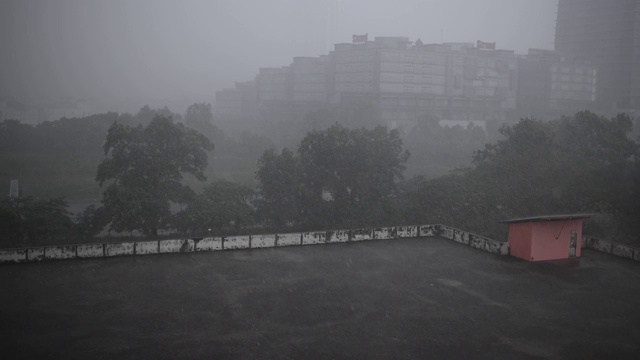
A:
548, 218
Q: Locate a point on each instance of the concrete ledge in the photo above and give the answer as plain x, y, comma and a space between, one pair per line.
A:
147, 247
120, 249
263, 241
60, 252
613, 248
361, 234
337, 236
13, 256
208, 244
600, 245
175, 245
90, 250
460, 236
429, 230
236, 242
289, 239
312, 238
446, 232
406, 231
621, 250
384, 233
35, 254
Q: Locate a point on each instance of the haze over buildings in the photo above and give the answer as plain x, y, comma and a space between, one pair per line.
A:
122, 54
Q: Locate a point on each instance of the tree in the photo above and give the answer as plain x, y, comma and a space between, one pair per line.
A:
200, 117
143, 169
223, 207
340, 177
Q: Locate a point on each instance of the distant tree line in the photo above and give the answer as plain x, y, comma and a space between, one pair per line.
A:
340, 177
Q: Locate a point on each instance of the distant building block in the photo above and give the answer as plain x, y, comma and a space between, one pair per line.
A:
337, 236
549, 237
208, 244
236, 242
90, 250
60, 252
407, 231
361, 234
289, 239
263, 241
147, 247
13, 256
384, 233
119, 249
312, 238
178, 245
35, 254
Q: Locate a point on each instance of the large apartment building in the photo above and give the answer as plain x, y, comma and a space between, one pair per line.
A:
606, 33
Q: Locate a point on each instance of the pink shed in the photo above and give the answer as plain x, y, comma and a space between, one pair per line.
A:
549, 237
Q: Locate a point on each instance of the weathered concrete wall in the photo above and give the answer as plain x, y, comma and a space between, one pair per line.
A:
446, 232
361, 234
384, 233
312, 238
407, 231
338, 236
208, 244
473, 240
289, 239
13, 256
119, 249
35, 254
429, 230
263, 241
236, 242
90, 250
147, 247
60, 252
613, 248
176, 245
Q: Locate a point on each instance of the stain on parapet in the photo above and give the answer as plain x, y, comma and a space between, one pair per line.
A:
429, 230
35, 254
312, 238
60, 252
385, 233
146, 247
460, 236
407, 231
208, 244
90, 250
337, 236
289, 239
175, 246
236, 242
263, 241
120, 249
361, 234
13, 256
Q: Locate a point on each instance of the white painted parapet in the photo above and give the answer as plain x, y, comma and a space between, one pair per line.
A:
60, 252
289, 239
119, 249
429, 230
361, 234
337, 236
263, 241
176, 245
613, 248
236, 242
13, 256
208, 244
147, 247
407, 231
90, 250
35, 254
384, 233
312, 238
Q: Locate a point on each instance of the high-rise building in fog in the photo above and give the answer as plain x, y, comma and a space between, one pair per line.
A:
606, 33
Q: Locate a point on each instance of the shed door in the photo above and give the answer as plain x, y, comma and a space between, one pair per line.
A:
573, 243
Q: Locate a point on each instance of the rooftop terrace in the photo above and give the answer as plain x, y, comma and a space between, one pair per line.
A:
406, 298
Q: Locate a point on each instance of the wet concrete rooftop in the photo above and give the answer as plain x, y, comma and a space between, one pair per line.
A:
400, 299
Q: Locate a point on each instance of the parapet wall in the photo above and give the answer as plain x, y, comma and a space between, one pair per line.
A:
611, 247
149, 247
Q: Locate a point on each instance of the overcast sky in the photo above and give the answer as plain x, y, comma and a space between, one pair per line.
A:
126, 53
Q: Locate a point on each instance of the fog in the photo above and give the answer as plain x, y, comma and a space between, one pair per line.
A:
122, 54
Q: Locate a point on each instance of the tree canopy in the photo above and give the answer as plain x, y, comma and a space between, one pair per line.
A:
143, 170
